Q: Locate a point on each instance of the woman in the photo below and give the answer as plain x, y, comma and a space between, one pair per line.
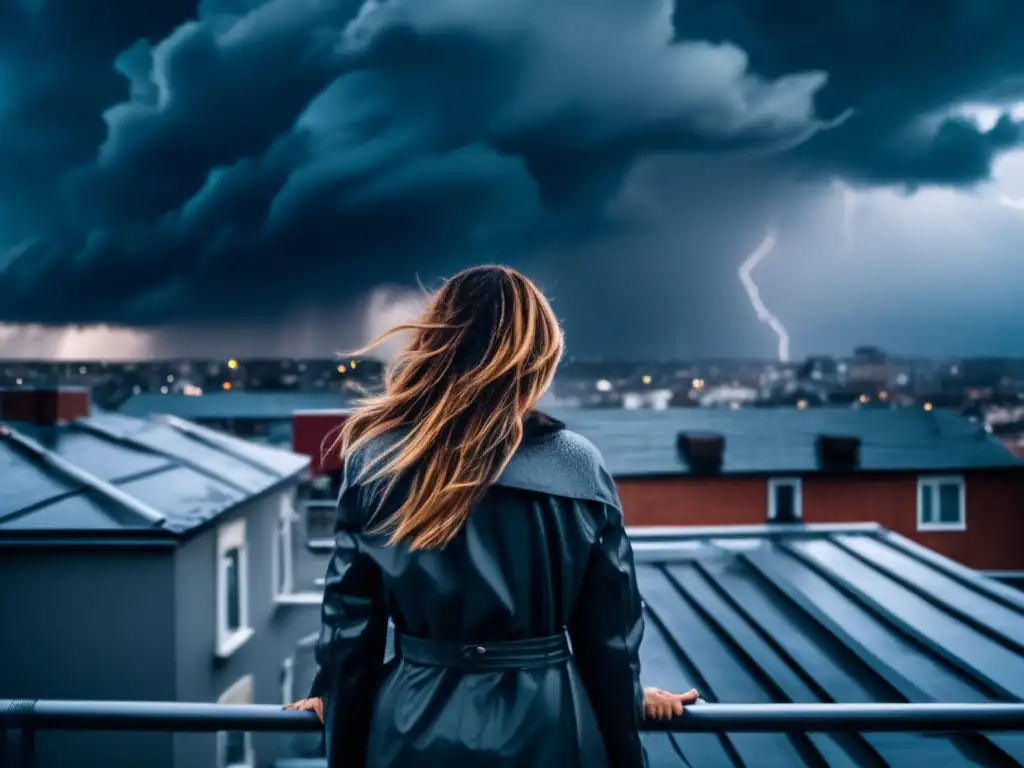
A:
493, 537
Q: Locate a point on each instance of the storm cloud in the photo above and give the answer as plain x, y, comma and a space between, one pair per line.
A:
172, 163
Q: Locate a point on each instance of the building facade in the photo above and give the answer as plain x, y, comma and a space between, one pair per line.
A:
936, 478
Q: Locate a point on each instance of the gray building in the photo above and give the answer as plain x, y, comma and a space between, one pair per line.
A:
150, 560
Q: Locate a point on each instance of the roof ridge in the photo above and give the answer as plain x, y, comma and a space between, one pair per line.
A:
214, 439
40, 453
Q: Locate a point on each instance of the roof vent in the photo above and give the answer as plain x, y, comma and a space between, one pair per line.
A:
704, 452
44, 407
838, 452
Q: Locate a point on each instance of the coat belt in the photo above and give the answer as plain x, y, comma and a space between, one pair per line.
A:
502, 654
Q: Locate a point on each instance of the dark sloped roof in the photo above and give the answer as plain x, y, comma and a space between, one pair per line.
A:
783, 440
823, 614
237, 404
847, 614
113, 473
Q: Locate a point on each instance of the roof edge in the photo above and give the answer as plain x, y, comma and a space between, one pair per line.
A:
126, 538
682, 473
667, 534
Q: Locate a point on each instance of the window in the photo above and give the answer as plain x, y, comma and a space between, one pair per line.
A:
288, 680
785, 504
232, 588
234, 748
320, 517
941, 504
283, 567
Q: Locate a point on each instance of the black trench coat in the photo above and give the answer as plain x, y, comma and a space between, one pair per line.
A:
483, 674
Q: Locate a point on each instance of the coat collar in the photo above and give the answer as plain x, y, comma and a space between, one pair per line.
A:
539, 424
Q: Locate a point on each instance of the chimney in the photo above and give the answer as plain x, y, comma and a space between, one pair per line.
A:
704, 452
44, 407
838, 453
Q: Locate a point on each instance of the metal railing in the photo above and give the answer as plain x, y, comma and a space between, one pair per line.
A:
55, 715
24, 718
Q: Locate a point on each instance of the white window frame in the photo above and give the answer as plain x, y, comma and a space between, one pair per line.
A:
231, 536
288, 680
934, 481
283, 558
283, 565
241, 692
798, 496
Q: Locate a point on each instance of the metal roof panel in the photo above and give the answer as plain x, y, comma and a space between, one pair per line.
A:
73, 513
104, 459
180, 473
826, 617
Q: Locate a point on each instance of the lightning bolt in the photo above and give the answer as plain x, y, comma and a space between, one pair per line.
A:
849, 215
754, 294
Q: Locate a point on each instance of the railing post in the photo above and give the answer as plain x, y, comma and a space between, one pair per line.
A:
18, 749
28, 747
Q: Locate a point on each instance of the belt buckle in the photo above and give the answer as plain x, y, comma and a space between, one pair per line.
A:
474, 651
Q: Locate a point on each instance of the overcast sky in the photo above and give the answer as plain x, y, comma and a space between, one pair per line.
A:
238, 177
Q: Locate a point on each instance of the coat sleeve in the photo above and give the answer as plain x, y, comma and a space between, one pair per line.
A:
606, 628
350, 650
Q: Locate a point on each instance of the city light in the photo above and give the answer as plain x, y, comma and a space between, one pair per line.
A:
351, 363
341, 368
698, 383
603, 385
226, 385
646, 379
863, 398
801, 404
163, 390
191, 390
927, 406
232, 364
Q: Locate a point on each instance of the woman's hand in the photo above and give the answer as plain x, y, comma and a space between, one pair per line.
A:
662, 705
309, 705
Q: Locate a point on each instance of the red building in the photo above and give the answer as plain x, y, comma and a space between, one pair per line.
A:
313, 433
932, 476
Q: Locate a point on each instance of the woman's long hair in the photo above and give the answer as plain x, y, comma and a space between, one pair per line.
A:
481, 356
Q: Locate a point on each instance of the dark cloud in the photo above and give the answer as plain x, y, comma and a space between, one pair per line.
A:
901, 65
244, 158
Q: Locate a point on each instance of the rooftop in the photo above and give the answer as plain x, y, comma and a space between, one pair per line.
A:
236, 404
783, 440
848, 614
110, 472
819, 614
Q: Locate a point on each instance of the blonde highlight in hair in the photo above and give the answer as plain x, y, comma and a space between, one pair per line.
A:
481, 355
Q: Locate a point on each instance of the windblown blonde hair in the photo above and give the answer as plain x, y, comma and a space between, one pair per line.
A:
481, 356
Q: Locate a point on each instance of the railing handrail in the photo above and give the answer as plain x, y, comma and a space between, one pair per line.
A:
37, 715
